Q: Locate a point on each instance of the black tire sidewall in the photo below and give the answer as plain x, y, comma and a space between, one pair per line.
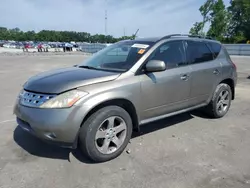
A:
219, 89
90, 127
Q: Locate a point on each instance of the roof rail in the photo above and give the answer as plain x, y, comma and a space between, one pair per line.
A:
187, 35
169, 36
198, 36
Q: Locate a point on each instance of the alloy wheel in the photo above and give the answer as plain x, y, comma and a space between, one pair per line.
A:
110, 135
223, 101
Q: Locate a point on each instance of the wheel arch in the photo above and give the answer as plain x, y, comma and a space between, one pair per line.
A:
121, 102
230, 82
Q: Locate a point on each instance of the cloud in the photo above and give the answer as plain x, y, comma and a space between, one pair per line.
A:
153, 18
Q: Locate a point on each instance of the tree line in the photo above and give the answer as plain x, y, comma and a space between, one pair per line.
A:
227, 24
57, 36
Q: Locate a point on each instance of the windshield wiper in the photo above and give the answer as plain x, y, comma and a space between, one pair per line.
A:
102, 69
88, 67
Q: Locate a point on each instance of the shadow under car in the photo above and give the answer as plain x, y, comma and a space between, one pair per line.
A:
37, 147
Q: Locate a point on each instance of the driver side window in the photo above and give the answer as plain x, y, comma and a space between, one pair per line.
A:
172, 53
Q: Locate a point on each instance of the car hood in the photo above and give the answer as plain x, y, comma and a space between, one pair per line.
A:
60, 80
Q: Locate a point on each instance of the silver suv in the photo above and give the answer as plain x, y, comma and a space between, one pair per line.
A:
98, 103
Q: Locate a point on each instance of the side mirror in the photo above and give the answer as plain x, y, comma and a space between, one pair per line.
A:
155, 66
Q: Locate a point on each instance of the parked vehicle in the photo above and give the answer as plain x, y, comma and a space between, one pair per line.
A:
97, 104
6, 45
12, 45
53, 45
19, 45
44, 45
2, 43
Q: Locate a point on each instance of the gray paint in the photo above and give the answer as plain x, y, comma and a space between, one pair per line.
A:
155, 66
154, 95
60, 80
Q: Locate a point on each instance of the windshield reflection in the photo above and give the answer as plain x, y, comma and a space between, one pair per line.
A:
120, 56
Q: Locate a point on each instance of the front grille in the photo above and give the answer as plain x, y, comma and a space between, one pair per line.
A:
33, 99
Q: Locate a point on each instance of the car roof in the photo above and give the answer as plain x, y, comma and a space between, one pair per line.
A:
154, 40
175, 36
148, 39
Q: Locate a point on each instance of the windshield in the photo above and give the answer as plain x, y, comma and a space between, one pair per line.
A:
119, 57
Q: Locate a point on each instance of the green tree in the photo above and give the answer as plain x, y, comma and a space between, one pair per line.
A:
54, 36
4, 33
239, 28
197, 29
218, 19
205, 10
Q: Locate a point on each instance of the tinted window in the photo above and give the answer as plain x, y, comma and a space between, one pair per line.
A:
198, 52
120, 56
172, 53
215, 47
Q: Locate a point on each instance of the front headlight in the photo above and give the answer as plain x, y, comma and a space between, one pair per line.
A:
64, 100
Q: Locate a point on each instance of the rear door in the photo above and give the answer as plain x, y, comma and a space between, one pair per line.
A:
205, 71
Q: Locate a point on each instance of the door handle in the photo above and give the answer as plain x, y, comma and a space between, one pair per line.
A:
184, 77
216, 72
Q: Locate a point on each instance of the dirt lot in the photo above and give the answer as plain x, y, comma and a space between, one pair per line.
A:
187, 150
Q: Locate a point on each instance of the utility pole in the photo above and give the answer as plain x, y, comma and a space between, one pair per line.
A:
106, 18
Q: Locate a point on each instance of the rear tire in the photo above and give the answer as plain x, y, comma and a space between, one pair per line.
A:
105, 134
221, 101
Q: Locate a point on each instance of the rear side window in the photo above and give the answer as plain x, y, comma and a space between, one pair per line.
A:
215, 47
198, 52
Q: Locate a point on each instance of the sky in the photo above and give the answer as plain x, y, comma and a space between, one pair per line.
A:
151, 17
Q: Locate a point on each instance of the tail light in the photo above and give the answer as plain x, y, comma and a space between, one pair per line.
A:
234, 65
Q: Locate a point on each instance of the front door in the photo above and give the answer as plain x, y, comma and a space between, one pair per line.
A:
167, 91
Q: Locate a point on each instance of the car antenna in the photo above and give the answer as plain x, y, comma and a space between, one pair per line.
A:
134, 36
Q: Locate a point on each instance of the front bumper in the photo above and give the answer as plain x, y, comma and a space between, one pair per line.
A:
58, 126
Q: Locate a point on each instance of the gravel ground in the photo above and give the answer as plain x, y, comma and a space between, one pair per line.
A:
184, 151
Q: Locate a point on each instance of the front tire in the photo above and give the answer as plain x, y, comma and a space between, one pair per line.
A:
221, 101
105, 134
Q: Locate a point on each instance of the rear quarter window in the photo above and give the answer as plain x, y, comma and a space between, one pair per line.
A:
198, 52
215, 47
